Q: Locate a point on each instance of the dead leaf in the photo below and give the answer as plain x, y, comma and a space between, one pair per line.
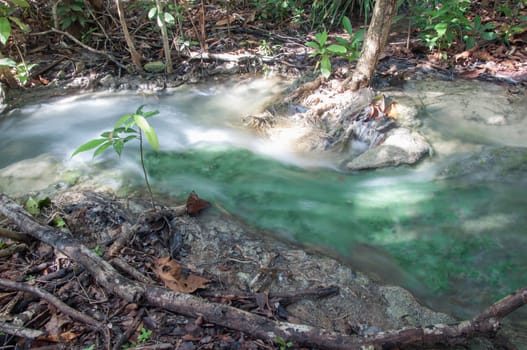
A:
43, 80
195, 204
226, 21
391, 111
65, 337
177, 277
55, 324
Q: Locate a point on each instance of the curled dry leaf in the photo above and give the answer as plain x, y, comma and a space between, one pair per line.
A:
391, 111
177, 277
195, 204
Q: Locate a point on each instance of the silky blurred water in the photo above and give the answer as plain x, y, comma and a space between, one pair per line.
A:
458, 244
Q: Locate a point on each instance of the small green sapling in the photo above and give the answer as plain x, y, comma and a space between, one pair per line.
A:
129, 127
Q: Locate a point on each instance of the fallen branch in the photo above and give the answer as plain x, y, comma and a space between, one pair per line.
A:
20, 331
50, 298
485, 325
89, 48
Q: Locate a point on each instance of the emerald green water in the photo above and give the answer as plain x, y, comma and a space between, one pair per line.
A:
446, 240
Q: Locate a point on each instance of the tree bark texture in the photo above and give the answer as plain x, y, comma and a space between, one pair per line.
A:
264, 328
376, 38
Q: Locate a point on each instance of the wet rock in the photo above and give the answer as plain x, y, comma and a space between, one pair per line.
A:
402, 146
154, 67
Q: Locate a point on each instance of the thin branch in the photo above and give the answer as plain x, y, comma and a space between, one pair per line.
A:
89, 48
126, 335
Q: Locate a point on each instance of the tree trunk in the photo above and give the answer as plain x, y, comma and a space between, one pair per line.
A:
374, 43
136, 58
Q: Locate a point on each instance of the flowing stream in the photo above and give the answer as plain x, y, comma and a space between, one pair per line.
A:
457, 242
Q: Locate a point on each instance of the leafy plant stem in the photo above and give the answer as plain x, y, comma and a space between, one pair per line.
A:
144, 169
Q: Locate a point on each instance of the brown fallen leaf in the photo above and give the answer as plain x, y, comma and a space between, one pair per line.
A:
195, 204
391, 111
177, 277
64, 337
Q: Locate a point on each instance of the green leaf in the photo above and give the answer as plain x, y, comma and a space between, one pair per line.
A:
441, 29
341, 41
118, 146
5, 30
76, 8
102, 148
7, 62
88, 146
477, 22
169, 19
67, 22
150, 133
337, 49
489, 35
139, 109
32, 206
24, 27
359, 36
489, 26
149, 114
313, 45
21, 3
152, 13
346, 23
122, 120
129, 138
325, 66
59, 223
321, 38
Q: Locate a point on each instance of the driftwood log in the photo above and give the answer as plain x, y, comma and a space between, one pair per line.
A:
485, 325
